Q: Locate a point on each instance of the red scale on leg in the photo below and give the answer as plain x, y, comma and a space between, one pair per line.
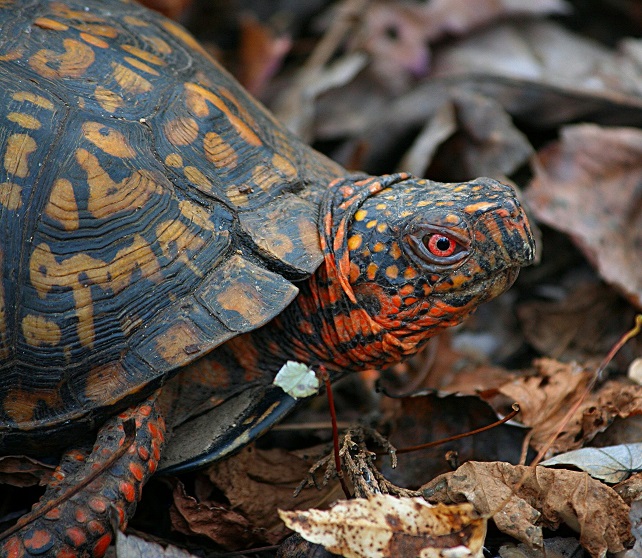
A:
80, 526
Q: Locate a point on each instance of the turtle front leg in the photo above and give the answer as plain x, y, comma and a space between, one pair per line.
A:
80, 526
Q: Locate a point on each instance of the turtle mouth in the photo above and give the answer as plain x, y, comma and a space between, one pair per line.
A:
503, 281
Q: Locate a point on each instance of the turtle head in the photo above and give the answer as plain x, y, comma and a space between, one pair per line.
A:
418, 255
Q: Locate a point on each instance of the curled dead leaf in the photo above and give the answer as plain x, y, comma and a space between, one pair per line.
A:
523, 501
385, 526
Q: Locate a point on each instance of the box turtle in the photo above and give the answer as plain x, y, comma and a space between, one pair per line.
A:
155, 217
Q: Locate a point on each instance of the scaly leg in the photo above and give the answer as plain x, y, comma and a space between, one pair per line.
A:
80, 526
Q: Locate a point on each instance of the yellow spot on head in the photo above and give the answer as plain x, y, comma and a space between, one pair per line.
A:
379, 247
479, 206
409, 273
360, 215
381, 227
424, 203
395, 251
392, 271
371, 224
354, 242
380, 206
371, 271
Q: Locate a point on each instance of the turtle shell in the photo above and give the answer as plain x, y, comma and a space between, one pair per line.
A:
149, 211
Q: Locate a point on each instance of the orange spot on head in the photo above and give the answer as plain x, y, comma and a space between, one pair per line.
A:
354, 272
354, 241
392, 271
409, 273
372, 270
406, 290
395, 251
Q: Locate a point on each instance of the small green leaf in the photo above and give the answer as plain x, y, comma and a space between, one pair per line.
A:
297, 380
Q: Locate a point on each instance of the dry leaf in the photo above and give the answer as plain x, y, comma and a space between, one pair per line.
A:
224, 526
523, 501
611, 464
636, 530
543, 52
587, 185
258, 482
430, 417
384, 526
581, 324
545, 399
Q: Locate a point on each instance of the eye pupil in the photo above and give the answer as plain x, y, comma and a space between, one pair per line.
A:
443, 243
441, 246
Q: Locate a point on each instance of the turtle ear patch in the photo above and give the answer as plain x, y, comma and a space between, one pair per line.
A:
339, 206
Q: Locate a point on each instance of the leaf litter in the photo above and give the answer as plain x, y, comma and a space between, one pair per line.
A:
529, 92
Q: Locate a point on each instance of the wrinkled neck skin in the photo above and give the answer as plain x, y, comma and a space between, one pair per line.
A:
323, 326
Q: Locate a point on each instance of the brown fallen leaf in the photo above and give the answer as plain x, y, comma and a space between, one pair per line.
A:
523, 501
385, 526
582, 324
257, 483
588, 186
431, 417
545, 399
213, 520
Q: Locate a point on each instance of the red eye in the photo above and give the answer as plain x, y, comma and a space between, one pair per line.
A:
440, 245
